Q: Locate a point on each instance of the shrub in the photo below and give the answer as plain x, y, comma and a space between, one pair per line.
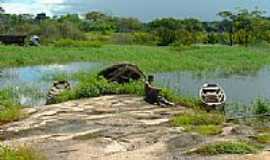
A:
262, 106
20, 153
227, 147
73, 43
145, 38
122, 38
166, 36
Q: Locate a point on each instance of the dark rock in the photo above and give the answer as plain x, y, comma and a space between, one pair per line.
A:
122, 73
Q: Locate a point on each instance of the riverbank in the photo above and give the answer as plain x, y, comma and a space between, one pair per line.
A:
150, 58
125, 127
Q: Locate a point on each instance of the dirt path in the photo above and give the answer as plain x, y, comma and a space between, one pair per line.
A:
104, 128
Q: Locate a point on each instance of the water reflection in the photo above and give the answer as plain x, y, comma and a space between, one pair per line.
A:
31, 84
239, 88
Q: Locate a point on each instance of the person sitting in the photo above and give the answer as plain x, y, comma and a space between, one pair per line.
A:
152, 94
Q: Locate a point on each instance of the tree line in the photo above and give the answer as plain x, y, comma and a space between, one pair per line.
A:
240, 27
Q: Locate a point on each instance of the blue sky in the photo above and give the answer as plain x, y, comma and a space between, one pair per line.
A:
143, 9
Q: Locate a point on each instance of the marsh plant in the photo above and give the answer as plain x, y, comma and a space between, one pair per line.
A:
9, 110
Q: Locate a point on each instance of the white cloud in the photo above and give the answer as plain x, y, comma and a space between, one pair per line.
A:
52, 2
34, 7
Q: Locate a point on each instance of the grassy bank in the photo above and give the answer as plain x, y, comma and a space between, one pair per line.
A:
149, 58
90, 85
9, 110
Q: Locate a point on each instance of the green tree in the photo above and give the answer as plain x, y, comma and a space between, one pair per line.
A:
228, 23
128, 24
95, 16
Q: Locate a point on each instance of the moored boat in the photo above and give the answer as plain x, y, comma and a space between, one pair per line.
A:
212, 95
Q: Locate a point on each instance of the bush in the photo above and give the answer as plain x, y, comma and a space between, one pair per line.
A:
122, 38
166, 36
73, 43
262, 107
145, 38
50, 31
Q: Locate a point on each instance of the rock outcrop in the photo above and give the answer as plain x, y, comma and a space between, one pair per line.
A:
122, 73
104, 128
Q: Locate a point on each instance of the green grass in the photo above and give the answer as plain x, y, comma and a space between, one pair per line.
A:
94, 86
261, 107
20, 153
198, 118
90, 85
73, 43
263, 138
206, 129
149, 58
227, 147
9, 110
199, 121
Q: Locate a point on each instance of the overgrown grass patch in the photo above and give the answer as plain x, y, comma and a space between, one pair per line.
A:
200, 122
91, 85
227, 147
94, 86
10, 113
263, 138
149, 58
198, 118
9, 110
20, 153
73, 43
261, 107
206, 129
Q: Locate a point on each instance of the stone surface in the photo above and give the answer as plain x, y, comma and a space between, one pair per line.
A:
119, 127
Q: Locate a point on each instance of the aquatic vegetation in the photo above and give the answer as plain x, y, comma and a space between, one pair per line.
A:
149, 58
261, 107
94, 86
9, 110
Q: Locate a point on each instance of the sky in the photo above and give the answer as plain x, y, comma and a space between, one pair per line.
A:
145, 10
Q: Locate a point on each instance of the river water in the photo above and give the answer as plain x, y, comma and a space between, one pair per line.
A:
32, 83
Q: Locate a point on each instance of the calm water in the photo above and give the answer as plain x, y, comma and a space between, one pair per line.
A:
239, 88
32, 83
